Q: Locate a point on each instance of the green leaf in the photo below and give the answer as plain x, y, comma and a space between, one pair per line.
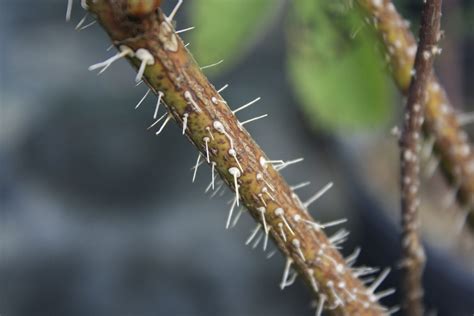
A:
226, 29
335, 68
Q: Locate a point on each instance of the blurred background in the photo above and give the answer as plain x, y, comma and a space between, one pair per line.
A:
98, 216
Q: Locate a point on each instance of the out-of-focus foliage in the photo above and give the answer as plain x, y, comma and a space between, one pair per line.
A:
334, 66
225, 29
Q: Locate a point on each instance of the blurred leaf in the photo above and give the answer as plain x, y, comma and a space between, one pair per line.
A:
335, 68
225, 29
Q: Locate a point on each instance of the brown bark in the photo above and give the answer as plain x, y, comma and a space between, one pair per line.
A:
451, 142
214, 130
413, 253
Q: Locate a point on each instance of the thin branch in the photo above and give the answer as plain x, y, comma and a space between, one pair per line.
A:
451, 142
413, 253
215, 131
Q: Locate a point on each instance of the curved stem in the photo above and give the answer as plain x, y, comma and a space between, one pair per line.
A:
451, 142
413, 253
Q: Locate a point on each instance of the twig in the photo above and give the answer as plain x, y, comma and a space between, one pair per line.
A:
413, 253
243, 166
451, 142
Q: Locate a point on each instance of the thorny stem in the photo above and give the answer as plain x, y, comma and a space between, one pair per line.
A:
413, 253
451, 142
239, 160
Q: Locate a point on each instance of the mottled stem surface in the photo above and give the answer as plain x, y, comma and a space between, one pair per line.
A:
451, 142
413, 253
210, 125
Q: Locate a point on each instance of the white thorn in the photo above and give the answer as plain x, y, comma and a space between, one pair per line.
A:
300, 185
319, 310
222, 190
168, 118
352, 296
339, 237
69, 10
264, 162
265, 190
367, 280
189, 98
351, 259
318, 195
206, 141
253, 234
81, 22
252, 120
175, 10
157, 121
185, 122
141, 71
265, 241
237, 217
281, 213
282, 231
223, 88
312, 279
246, 105
271, 254
233, 153
362, 271
393, 310
231, 211
212, 65
379, 280
330, 285
143, 99
107, 63
158, 102
199, 165
257, 241
292, 279
260, 177
147, 59
186, 29
286, 272
333, 223
196, 167
210, 184
288, 163
210, 133
297, 218
217, 190
297, 244
235, 172
319, 226
384, 293
213, 176
87, 26
262, 211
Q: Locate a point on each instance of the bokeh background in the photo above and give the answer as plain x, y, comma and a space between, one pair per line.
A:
98, 216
